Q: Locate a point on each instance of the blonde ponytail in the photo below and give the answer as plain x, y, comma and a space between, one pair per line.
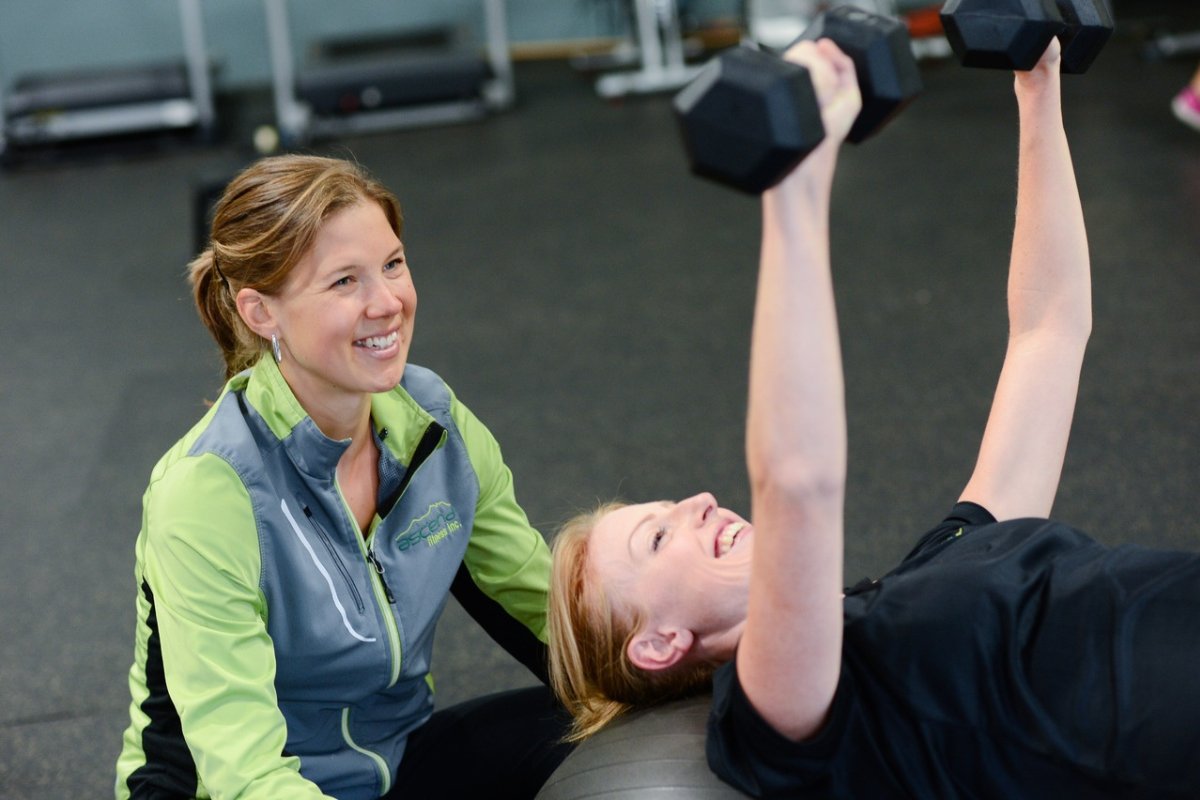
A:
217, 306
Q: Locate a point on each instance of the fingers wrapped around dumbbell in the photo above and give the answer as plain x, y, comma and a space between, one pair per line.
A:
748, 118
1045, 71
835, 83
888, 75
1013, 34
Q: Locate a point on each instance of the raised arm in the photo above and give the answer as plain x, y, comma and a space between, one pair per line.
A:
790, 652
1050, 314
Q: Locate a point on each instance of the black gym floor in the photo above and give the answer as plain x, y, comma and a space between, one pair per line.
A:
591, 302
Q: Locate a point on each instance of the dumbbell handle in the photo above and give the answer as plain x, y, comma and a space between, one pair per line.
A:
750, 116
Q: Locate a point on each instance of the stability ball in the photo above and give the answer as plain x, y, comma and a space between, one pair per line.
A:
655, 753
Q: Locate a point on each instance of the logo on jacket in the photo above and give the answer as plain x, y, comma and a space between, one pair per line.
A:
431, 527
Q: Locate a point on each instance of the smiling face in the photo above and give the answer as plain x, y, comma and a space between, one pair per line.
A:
344, 317
686, 566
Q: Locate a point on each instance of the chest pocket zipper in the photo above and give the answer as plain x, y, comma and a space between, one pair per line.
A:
337, 559
324, 572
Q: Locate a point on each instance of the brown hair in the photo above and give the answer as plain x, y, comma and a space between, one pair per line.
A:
266, 221
590, 670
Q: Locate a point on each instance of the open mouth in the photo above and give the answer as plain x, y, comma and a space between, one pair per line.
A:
727, 538
378, 342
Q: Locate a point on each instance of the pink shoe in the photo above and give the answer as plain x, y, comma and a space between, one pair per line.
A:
1186, 107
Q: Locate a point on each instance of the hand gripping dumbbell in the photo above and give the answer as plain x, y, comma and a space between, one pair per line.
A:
749, 117
1013, 34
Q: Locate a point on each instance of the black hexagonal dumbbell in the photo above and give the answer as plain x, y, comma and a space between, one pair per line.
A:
1087, 27
750, 116
1013, 34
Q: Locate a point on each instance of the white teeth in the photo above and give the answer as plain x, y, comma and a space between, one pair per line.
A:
725, 540
379, 342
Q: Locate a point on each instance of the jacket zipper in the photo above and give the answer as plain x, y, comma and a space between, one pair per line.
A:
379, 570
429, 441
383, 593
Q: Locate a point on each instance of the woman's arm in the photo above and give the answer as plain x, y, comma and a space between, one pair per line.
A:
790, 654
505, 578
217, 657
1050, 314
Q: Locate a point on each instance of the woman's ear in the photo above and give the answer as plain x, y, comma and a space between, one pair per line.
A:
254, 309
659, 648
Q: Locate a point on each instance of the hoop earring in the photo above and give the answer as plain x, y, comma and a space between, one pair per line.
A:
275, 349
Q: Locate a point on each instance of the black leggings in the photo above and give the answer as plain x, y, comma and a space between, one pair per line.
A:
498, 746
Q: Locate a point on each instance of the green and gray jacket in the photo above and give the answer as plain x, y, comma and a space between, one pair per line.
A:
279, 650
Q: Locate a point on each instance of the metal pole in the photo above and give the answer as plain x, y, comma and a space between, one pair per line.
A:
656, 20
495, 19
672, 34
291, 118
196, 57
648, 41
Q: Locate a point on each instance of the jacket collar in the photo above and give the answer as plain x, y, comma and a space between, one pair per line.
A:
307, 446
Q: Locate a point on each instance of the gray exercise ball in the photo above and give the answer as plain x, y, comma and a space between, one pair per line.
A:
656, 753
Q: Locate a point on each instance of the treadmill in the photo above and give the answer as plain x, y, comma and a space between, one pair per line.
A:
384, 93
45, 111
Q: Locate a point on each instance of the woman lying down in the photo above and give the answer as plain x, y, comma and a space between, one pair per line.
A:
1007, 656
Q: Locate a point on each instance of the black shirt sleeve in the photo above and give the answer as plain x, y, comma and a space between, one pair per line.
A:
747, 753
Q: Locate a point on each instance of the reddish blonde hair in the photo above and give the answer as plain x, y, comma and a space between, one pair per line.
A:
266, 221
590, 669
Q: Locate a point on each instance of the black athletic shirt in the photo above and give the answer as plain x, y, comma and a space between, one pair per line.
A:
1000, 660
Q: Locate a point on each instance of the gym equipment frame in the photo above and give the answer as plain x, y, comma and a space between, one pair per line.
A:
54, 109
335, 100
660, 46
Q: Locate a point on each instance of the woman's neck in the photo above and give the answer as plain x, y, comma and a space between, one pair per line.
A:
347, 417
358, 478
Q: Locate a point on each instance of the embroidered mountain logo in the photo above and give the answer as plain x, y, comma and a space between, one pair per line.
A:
431, 527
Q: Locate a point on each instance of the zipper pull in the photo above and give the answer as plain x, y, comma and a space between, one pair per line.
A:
380, 569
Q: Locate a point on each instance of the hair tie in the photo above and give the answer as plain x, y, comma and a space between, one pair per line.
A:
217, 270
